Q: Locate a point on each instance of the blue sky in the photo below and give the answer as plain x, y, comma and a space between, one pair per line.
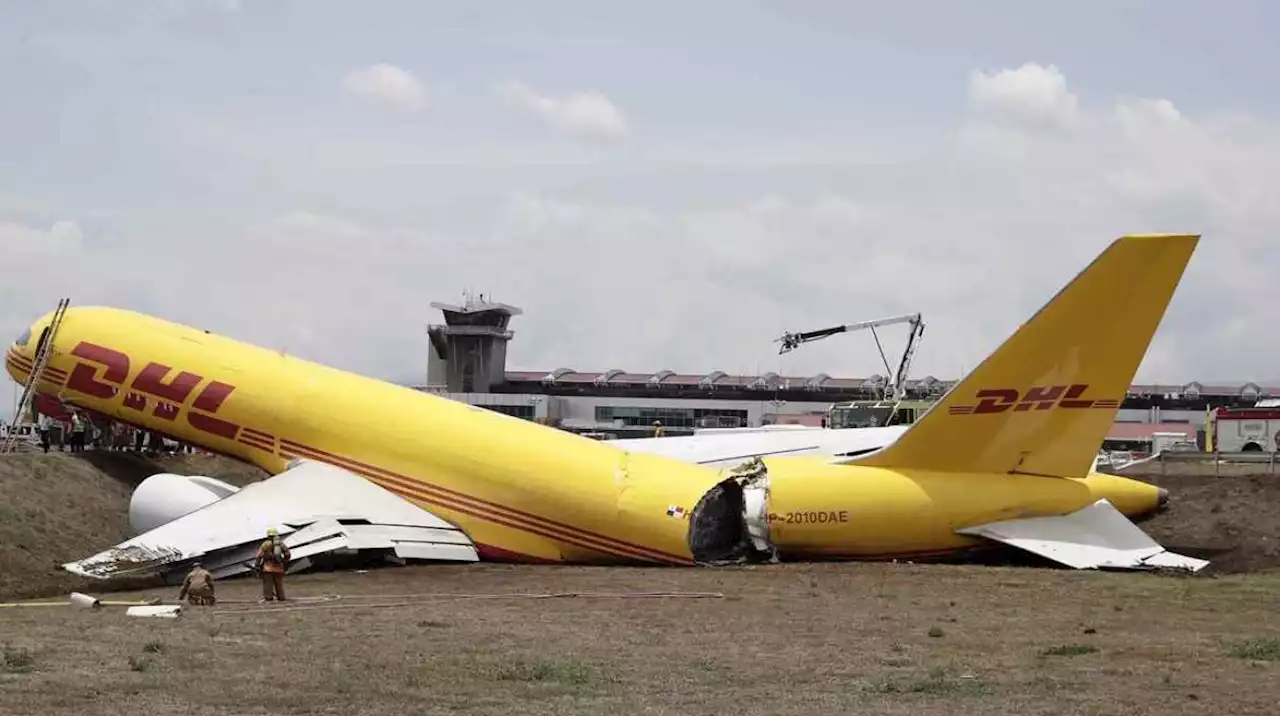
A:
660, 185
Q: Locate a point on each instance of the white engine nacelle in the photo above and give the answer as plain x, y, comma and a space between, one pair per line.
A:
164, 497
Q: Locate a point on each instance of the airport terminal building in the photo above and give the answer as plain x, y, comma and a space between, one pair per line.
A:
467, 363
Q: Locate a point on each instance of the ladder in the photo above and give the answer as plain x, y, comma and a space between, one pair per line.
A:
44, 350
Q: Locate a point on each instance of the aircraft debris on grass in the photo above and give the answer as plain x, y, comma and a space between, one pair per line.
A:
1004, 458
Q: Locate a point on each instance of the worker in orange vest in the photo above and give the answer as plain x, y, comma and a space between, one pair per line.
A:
271, 562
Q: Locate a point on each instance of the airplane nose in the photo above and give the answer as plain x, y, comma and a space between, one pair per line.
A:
1162, 498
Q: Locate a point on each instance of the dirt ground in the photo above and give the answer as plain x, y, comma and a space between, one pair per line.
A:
60, 507
791, 639
1229, 519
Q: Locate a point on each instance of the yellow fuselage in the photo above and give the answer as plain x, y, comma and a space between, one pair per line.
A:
824, 511
521, 491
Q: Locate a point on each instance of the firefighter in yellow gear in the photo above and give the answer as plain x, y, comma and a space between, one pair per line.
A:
197, 588
271, 562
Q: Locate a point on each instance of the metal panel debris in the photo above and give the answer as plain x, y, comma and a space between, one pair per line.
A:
318, 508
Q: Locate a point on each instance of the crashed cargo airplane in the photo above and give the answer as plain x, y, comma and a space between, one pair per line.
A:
1004, 458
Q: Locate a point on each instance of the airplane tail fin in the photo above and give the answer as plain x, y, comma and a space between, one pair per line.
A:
1043, 402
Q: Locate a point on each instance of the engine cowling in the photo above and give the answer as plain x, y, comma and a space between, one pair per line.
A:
165, 497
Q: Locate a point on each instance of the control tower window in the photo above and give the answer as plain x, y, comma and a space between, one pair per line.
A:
23, 339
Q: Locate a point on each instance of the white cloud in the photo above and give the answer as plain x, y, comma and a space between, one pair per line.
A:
389, 84
167, 8
586, 113
38, 266
334, 249
41, 265
19, 241
220, 5
1032, 95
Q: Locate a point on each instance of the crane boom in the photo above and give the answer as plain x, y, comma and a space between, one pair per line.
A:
791, 341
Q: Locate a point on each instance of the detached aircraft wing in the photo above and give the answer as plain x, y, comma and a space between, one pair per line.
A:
316, 507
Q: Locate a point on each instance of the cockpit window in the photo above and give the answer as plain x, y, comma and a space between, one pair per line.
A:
23, 339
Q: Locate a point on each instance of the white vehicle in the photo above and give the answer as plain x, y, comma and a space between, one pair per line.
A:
1246, 429
23, 434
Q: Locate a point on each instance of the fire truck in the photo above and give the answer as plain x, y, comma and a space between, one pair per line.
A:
1255, 429
875, 413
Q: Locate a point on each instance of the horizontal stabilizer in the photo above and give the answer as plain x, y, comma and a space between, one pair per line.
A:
728, 448
1095, 537
316, 507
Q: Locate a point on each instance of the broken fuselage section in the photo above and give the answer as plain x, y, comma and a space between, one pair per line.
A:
730, 524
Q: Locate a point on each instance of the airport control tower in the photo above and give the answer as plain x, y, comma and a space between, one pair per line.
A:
469, 352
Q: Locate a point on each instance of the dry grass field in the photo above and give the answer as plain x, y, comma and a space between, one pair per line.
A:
792, 639
789, 639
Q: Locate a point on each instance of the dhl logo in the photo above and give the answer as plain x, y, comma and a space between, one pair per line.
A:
101, 372
999, 400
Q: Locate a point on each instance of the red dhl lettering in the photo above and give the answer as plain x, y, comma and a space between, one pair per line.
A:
101, 373
1040, 397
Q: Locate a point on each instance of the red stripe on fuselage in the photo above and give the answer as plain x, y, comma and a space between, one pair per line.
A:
566, 532
420, 492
